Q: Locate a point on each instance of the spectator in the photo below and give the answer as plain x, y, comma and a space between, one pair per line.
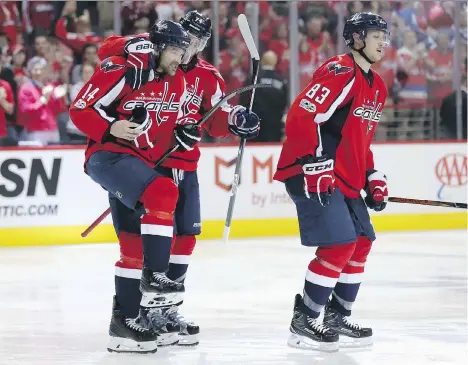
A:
33, 105
411, 59
235, 62
82, 34
270, 103
309, 60
354, 7
41, 46
90, 57
280, 44
18, 60
38, 16
7, 75
320, 41
6, 107
448, 112
9, 21
135, 14
439, 75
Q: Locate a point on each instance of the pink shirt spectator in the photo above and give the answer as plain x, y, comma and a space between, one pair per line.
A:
33, 110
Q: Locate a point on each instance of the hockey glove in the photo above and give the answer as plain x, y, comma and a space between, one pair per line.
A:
376, 190
141, 116
140, 62
319, 178
243, 123
187, 134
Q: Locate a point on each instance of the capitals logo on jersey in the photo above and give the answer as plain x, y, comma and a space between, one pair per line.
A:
155, 102
108, 66
193, 102
369, 112
338, 69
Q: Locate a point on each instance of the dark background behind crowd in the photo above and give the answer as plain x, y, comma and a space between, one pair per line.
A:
49, 50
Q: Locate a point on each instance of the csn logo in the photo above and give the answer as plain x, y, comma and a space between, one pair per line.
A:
16, 177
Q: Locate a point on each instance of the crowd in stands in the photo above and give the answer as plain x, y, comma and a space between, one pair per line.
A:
49, 50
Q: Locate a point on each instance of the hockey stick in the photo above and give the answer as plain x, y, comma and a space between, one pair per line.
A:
434, 203
248, 39
175, 148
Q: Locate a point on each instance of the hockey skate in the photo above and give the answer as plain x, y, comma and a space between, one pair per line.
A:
158, 291
351, 335
168, 331
189, 331
307, 332
130, 335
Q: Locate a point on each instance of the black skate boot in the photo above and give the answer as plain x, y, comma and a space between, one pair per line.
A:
159, 291
351, 334
130, 335
168, 331
189, 331
307, 332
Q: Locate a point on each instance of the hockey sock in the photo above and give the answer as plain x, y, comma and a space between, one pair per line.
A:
322, 275
128, 274
159, 200
182, 248
347, 287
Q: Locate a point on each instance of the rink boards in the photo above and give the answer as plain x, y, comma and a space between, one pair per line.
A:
45, 197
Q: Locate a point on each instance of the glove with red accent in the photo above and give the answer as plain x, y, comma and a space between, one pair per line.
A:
319, 178
243, 123
140, 62
376, 190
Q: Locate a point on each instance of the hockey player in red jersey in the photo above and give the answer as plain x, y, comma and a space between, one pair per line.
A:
325, 162
129, 130
205, 87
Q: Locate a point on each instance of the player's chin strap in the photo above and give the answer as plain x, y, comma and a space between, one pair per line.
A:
363, 54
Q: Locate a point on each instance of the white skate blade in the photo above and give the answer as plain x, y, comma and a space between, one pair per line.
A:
127, 345
157, 300
355, 343
188, 340
305, 343
168, 339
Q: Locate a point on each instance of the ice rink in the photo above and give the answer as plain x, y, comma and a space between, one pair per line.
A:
55, 303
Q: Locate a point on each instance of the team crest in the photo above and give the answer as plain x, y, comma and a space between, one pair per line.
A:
108, 66
338, 69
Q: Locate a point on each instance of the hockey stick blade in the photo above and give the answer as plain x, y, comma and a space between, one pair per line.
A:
433, 203
173, 149
247, 35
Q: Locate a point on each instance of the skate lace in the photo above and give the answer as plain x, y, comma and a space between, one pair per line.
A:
175, 316
316, 326
157, 319
163, 279
350, 324
133, 325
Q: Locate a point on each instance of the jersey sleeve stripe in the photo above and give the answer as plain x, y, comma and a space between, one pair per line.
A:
138, 70
323, 117
319, 149
217, 96
107, 99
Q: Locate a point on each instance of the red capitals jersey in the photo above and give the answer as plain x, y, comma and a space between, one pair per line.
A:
106, 98
205, 88
336, 115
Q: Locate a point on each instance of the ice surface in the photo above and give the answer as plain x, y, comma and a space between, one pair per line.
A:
55, 303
